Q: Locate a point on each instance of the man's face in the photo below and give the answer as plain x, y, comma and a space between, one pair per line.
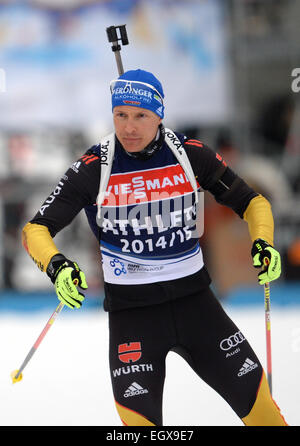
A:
135, 127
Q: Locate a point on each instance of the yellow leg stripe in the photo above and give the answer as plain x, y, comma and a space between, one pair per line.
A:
264, 412
131, 418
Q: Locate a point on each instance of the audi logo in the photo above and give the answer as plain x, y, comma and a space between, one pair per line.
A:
232, 341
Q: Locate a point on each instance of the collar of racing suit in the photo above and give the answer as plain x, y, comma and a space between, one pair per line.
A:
154, 146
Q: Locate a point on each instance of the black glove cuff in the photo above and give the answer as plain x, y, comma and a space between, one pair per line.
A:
258, 246
54, 265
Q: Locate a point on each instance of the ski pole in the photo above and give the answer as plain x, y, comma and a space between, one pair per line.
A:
112, 34
268, 329
16, 375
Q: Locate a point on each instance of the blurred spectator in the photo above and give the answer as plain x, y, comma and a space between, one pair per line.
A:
259, 170
224, 231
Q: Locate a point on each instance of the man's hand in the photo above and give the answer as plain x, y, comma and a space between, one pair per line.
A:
67, 276
266, 257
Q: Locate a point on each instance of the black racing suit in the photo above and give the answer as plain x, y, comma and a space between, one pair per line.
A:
147, 320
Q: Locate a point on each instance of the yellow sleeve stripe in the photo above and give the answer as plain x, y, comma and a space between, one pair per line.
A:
260, 221
131, 418
39, 244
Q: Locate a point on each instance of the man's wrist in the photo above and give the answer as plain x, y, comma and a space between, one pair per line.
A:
56, 261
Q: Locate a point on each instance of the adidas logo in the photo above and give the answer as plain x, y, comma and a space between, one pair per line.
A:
248, 366
134, 389
75, 166
159, 110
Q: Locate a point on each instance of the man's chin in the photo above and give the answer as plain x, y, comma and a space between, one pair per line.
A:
132, 146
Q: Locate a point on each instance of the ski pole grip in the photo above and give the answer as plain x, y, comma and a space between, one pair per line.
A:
123, 33
113, 38
112, 35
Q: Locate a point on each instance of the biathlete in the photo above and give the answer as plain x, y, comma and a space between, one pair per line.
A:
140, 189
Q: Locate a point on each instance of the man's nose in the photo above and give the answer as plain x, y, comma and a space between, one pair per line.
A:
130, 126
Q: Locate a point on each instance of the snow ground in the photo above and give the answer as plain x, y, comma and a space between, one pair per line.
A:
67, 382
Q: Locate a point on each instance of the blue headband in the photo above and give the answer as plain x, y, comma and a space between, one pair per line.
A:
138, 88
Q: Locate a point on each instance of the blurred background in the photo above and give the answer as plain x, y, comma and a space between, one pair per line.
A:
226, 67
227, 70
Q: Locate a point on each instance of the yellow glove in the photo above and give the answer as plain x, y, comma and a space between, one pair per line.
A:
265, 256
67, 276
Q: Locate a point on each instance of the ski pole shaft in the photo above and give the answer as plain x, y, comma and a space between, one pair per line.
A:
17, 374
268, 333
119, 63
268, 328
